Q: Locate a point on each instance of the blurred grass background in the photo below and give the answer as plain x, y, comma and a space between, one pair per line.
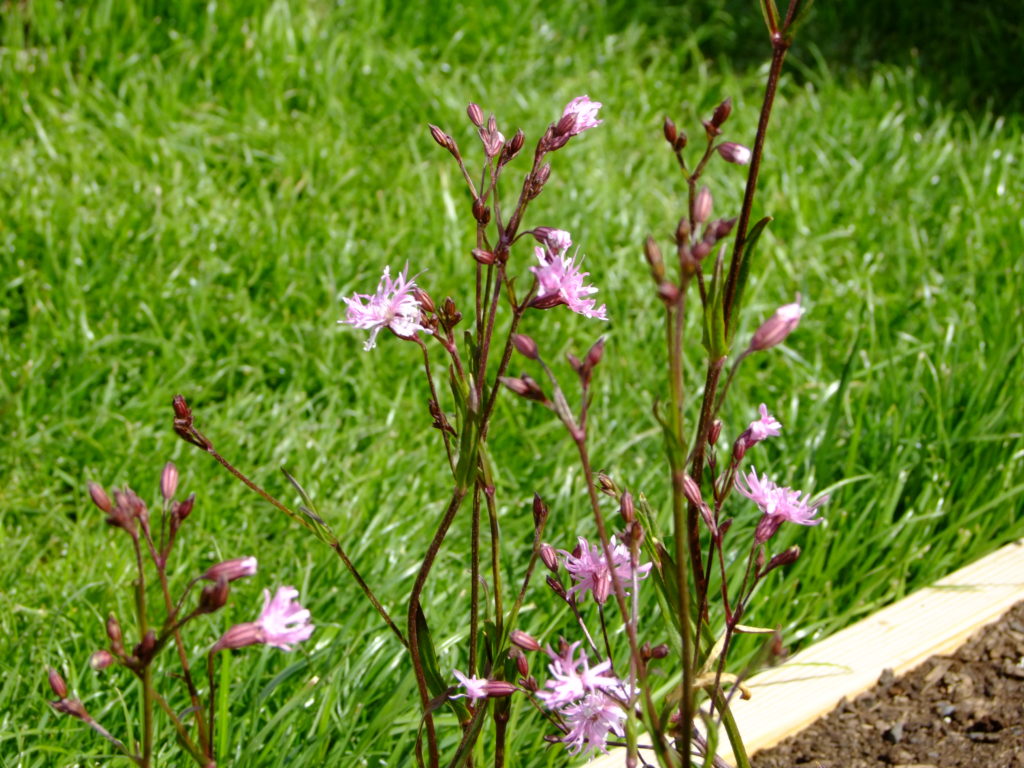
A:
189, 188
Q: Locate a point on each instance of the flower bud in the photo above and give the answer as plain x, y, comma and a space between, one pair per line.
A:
540, 512
525, 641
607, 486
99, 497
734, 153
715, 432
653, 255
549, 557
680, 143
659, 651
169, 481
556, 587
682, 231
522, 663
594, 354
701, 250
476, 115
57, 684
442, 139
240, 636
777, 327
145, 649
692, 491
481, 212
514, 146
524, 345
101, 660
231, 570
670, 131
668, 292
721, 114
626, 508
114, 634
719, 229
767, 526
424, 300
786, 557
702, 205
214, 596
724, 526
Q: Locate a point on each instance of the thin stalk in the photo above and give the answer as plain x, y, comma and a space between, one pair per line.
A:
146, 673
492, 516
474, 590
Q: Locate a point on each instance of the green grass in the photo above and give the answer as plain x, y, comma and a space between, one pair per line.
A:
188, 192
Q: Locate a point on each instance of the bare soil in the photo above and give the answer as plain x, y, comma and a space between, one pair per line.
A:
966, 709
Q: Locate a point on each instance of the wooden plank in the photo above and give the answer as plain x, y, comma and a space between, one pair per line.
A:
934, 620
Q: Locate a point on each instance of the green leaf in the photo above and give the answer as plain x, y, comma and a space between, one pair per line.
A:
741, 279
435, 682
714, 340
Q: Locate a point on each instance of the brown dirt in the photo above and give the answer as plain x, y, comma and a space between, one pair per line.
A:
966, 709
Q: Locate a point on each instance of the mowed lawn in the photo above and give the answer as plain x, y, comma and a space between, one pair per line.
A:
187, 194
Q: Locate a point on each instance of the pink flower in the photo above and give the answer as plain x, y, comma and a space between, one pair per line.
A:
393, 306
567, 683
281, 622
476, 687
557, 241
590, 720
583, 112
561, 282
777, 327
591, 571
732, 152
766, 426
778, 504
481, 688
231, 570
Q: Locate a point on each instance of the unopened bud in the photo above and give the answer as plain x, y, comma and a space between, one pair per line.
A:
766, 528
626, 508
549, 557
169, 481
594, 354
214, 596
99, 497
701, 250
530, 684
607, 486
524, 345
670, 131
231, 570
476, 115
145, 649
57, 684
540, 512
423, 299
702, 205
683, 231
719, 229
442, 139
541, 177
777, 327
721, 114
680, 142
522, 663
724, 526
659, 651
483, 257
524, 386
668, 292
715, 432
735, 153
184, 508
514, 146
481, 212
786, 557
101, 660
556, 587
692, 491
653, 255
114, 634
523, 640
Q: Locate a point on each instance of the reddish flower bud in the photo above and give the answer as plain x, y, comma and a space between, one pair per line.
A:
481, 212
169, 481
549, 557
99, 497
213, 597
540, 512
522, 663
767, 526
735, 153
659, 651
594, 354
476, 115
701, 250
606, 485
715, 432
682, 231
114, 634
145, 649
523, 640
101, 660
786, 557
692, 491
57, 684
777, 327
680, 142
626, 508
513, 146
442, 139
668, 292
231, 570
702, 205
556, 586
524, 345
671, 132
424, 300
653, 255
721, 114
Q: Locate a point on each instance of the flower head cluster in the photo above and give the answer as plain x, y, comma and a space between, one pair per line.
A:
561, 282
593, 573
393, 306
777, 503
586, 697
281, 622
